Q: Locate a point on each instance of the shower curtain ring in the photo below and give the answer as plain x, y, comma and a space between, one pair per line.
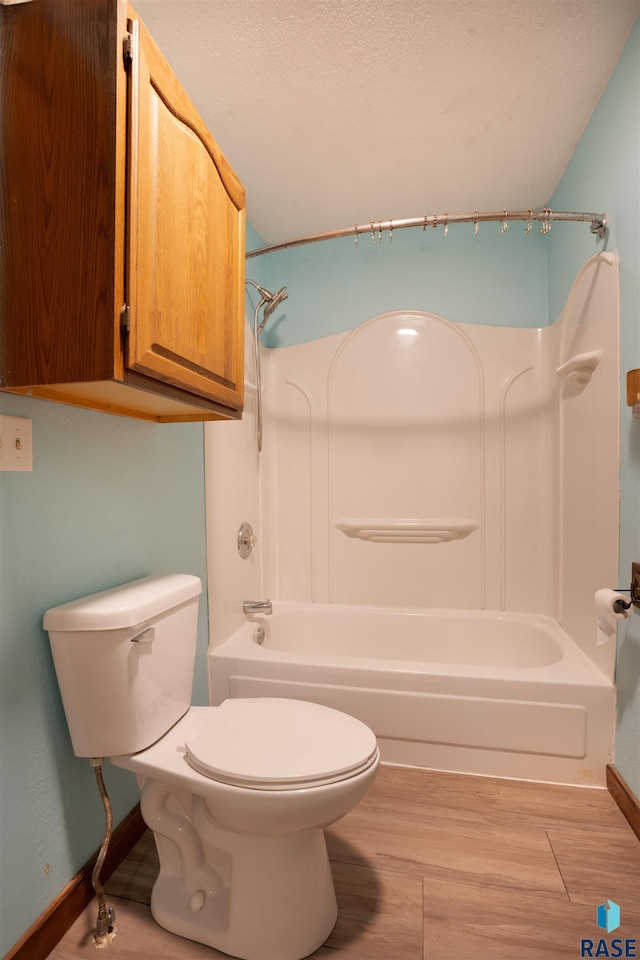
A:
476, 224
373, 233
446, 225
527, 229
505, 225
545, 226
355, 231
379, 231
424, 225
390, 231
435, 221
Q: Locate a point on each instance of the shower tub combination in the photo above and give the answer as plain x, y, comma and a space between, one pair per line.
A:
495, 694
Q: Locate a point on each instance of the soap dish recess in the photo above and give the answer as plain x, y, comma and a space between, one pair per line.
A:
407, 531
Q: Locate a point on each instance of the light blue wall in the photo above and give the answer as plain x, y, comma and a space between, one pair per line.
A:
110, 499
604, 173
334, 285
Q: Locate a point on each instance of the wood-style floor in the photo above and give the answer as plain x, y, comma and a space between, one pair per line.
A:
435, 866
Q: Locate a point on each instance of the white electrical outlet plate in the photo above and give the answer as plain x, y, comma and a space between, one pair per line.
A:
16, 450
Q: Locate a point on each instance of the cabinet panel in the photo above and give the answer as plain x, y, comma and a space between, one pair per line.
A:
61, 183
112, 191
186, 240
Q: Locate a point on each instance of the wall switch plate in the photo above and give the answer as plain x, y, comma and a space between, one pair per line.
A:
16, 450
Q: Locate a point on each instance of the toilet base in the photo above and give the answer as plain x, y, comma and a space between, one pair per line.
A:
257, 898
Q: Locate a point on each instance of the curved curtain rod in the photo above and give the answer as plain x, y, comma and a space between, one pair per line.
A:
598, 225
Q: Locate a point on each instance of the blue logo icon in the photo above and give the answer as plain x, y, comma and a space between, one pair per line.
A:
609, 917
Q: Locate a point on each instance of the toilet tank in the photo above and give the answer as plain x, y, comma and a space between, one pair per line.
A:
124, 660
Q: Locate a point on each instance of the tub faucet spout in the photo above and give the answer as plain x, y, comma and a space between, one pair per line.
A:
257, 606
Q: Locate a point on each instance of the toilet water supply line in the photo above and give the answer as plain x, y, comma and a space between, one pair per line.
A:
105, 930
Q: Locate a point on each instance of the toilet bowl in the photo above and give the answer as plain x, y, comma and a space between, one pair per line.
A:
239, 830
237, 795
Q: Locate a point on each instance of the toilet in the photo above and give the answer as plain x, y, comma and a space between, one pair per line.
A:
237, 795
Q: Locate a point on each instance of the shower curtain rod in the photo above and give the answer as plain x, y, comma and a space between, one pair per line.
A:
545, 217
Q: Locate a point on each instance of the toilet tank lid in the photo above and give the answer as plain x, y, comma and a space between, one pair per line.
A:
124, 606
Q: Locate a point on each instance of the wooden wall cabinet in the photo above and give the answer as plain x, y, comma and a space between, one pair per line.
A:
122, 224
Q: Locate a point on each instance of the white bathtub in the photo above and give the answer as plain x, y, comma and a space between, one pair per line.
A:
495, 694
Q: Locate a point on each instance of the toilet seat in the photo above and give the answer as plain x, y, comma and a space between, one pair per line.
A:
279, 744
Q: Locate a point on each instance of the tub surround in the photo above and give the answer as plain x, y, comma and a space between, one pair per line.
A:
444, 496
416, 462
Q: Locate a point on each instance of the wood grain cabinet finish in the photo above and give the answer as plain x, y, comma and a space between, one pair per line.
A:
122, 223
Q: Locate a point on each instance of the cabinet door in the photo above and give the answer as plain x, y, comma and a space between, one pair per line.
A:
185, 281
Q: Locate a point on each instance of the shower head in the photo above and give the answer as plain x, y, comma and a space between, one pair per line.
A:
274, 301
269, 300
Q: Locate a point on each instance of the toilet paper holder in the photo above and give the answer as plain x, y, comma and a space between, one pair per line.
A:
633, 590
621, 605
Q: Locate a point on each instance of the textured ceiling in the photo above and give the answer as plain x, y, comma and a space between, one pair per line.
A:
336, 112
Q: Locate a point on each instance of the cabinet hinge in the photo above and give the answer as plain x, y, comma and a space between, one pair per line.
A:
127, 51
125, 319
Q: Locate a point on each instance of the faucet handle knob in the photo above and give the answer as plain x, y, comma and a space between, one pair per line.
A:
246, 540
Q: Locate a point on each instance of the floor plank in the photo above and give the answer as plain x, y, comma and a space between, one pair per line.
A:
435, 866
475, 922
138, 937
134, 878
466, 852
436, 796
598, 868
379, 915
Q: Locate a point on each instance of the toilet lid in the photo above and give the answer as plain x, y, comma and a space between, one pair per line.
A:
275, 744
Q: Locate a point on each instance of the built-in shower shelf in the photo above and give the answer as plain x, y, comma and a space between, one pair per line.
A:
407, 531
580, 368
